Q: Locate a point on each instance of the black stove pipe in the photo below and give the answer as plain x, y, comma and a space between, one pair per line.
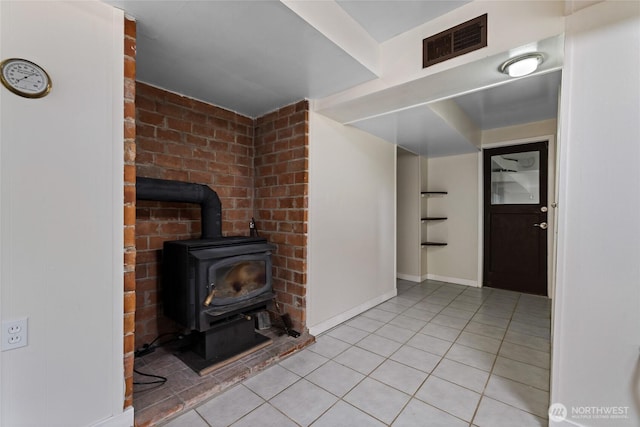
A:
164, 190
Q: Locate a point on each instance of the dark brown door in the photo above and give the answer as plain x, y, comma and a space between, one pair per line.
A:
515, 218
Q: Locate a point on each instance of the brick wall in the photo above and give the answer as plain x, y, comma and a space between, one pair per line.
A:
257, 167
129, 204
186, 140
281, 190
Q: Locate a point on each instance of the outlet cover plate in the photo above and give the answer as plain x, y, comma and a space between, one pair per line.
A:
14, 334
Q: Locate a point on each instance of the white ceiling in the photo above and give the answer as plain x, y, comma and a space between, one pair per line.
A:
521, 101
247, 56
386, 19
422, 130
419, 130
253, 57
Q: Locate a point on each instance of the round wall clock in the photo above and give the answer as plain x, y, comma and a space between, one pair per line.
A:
25, 78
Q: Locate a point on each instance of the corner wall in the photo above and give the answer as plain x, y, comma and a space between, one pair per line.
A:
408, 253
352, 222
281, 191
458, 261
596, 330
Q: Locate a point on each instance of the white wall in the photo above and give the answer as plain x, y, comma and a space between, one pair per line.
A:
423, 202
597, 303
61, 217
408, 252
352, 222
519, 133
458, 261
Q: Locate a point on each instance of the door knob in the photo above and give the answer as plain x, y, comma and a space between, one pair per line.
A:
542, 225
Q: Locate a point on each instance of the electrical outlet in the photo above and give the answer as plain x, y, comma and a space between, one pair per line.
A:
14, 334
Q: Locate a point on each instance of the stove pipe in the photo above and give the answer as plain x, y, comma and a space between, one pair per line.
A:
164, 190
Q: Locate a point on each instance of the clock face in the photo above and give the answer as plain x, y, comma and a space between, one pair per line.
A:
25, 78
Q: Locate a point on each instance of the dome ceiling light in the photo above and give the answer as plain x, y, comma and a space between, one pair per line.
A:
522, 65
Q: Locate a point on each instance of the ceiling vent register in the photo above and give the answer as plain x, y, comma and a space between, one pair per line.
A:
456, 41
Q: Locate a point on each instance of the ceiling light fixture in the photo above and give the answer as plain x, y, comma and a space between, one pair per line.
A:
522, 65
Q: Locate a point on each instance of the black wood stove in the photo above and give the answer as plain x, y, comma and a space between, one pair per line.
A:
213, 286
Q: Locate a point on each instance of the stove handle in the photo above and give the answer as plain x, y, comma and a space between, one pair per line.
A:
212, 293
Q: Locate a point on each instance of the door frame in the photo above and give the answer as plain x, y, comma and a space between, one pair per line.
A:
552, 201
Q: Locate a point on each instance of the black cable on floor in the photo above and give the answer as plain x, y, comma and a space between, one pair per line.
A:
150, 348
161, 380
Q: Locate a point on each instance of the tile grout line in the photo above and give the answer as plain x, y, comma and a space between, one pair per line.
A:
492, 369
404, 343
386, 358
440, 361
482, 395
413, 395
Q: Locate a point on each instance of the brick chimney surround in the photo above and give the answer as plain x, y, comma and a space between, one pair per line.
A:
258, 167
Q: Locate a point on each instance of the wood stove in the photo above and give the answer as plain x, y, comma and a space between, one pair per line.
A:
214, 285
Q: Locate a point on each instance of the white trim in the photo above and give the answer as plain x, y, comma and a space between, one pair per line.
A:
456, 280
395, 216
343, 317
409, 277
552, 216
480, 218
1, 240
539, 138
124, 419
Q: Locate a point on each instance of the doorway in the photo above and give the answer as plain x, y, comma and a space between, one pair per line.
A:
515, 218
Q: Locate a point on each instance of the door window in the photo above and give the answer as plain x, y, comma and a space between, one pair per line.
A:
515, 178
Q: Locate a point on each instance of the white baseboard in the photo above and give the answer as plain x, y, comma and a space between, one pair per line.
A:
343, 317
420, 279
409, 277
455, 280
125, 419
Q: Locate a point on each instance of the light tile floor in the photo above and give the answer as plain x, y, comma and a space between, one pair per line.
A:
436, 355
